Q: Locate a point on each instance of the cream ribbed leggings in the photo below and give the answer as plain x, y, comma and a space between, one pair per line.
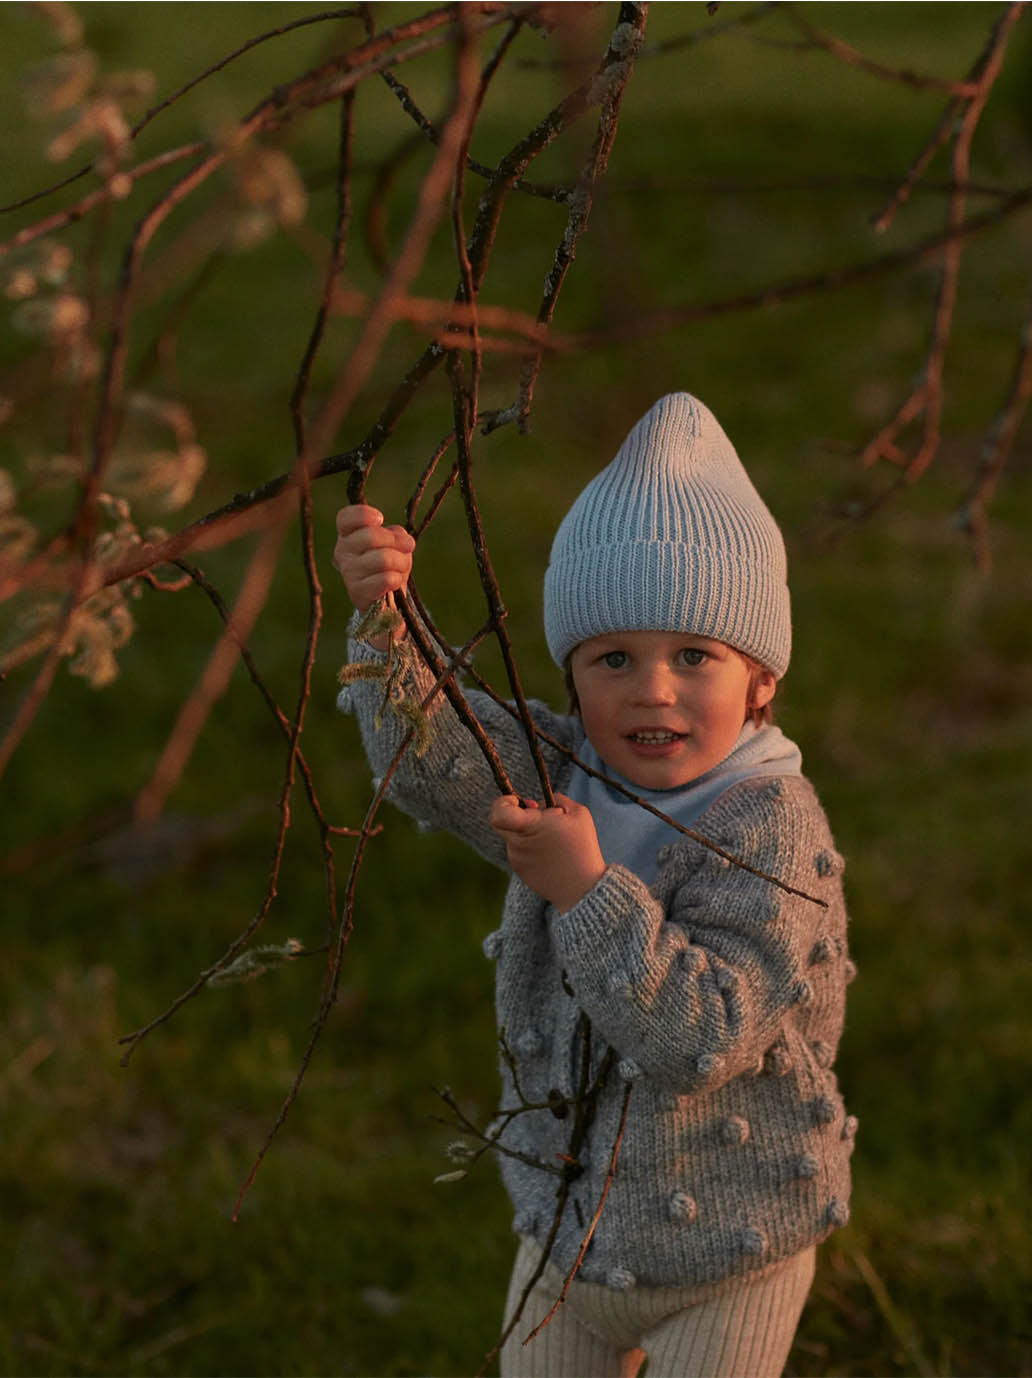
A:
737, 1329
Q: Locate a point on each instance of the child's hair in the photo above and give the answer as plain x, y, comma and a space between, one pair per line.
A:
758, 714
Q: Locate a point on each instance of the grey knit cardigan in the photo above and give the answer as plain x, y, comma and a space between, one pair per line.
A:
721, 995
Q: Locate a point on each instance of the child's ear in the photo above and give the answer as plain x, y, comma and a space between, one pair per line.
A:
763, 687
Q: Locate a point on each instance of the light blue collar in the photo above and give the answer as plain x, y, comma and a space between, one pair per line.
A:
629, 836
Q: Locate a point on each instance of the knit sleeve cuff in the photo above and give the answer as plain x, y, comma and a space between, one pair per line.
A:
616, 898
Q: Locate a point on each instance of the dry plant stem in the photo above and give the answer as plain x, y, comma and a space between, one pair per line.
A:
237, 946
214, 680
452, 692
679, 827
556, 745
436, 501
304, 693
374, 220
244, 512
194, 575
59, 219
313, 88
341, 225
156, 110
845, 52
345, 927
332, 81
429, 132
237, 517
166, 585
465, 1125
447, 319
364, 833
996, 450
31, 701
492, 592
160, 353
899, 1323
585, 1104
711, 30
610, 1174
617, 65
338, 248
759, 186
511, 168
791, 289
427, 214
324, 17
421, 486
927, 397
464, 405
941, 134
308, 555
85, 521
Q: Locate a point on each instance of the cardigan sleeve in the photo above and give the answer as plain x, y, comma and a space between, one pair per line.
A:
449, 784
692, 981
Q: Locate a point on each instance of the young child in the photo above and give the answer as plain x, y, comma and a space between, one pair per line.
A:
720, 993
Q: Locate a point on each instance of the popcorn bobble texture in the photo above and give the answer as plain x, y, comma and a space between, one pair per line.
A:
671, 536
736, 1146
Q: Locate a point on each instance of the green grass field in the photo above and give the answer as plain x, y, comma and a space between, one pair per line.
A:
909, 695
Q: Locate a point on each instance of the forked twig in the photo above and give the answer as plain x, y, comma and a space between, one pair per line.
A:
610, 1174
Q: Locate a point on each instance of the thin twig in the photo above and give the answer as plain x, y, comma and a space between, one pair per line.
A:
59, 219
575, 760
927, 396
614, 74
331, 985
156, 110
196, 576
214, 679
497, 608
610, 1174
430, 133
996, 449
845, 52
585, 1104
416, 497
942, 132
793, 289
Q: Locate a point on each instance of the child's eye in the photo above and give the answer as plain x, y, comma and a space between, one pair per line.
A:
616, 660
691, 655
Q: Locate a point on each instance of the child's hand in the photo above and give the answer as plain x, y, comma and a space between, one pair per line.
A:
374, 560
555, 851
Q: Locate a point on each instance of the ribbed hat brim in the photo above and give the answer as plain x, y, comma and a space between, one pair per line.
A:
667, 586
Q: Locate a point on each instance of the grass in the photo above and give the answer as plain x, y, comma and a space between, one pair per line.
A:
908, 694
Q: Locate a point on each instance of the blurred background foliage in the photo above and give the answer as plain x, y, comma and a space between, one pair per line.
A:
738, 162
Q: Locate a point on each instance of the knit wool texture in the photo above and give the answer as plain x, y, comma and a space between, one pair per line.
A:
671, 536
721, 995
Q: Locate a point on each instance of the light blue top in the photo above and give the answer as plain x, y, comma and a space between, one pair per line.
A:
628, 836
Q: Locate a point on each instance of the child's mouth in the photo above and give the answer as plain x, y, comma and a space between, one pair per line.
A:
654, 737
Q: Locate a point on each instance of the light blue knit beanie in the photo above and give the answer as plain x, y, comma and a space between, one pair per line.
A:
671, 536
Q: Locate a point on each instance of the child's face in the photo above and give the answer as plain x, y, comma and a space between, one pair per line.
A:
663, 708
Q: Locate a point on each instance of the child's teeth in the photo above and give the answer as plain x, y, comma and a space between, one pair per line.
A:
654, 736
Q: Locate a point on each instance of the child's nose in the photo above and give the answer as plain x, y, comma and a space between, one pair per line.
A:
654, 686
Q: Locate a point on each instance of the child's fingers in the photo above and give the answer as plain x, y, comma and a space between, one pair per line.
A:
364, 563
372, 559
509, 815
356, 516
403, 540
364, 592
364, 538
